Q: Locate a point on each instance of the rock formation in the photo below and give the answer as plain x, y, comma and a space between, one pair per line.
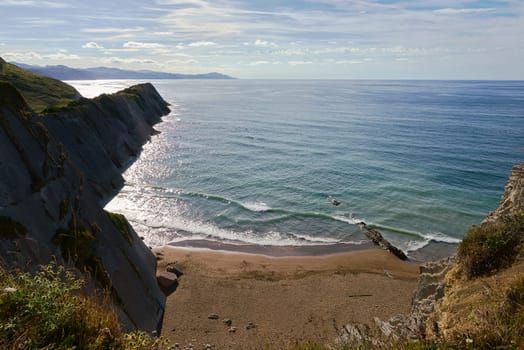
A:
512, 202
446, 304
431, 287
57, 170
379, 240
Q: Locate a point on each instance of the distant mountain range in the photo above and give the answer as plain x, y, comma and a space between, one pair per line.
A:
67, 73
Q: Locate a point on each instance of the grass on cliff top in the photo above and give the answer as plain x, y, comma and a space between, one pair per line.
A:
40, 92
491, 246
48, 310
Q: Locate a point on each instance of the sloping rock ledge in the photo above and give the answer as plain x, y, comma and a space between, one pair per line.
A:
57, 170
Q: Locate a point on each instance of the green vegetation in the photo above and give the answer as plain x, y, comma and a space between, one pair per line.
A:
121, 224
491, 246
40, 92
500, 325
9, 228
64, 208
133, 93
48, 310
76, 245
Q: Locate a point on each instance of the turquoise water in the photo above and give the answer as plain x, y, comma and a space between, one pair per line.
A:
252, 161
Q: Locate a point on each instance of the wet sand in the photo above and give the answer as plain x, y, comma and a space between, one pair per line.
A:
291, 300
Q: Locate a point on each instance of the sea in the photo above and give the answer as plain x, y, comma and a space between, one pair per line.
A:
252, 162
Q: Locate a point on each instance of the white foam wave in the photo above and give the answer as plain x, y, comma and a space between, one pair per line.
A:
256, 206
438, 237
350, 220
188, 229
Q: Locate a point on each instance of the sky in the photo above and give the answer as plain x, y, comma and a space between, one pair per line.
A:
270, 39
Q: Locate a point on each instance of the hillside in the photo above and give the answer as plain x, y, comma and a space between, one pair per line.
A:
57, 169
39, 91
67, 73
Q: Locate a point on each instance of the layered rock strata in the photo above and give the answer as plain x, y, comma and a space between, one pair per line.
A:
57, 171
443, 300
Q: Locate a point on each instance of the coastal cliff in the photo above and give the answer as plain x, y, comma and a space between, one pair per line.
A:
57, 170
472, 300
512, 202
483, 303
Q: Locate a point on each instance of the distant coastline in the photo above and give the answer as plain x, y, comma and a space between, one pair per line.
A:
61, 72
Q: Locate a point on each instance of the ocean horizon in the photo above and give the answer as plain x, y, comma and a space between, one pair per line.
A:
252, 162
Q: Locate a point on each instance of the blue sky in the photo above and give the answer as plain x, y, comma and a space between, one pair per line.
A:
333, 39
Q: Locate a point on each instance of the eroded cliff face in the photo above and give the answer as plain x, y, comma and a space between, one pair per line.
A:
478, 307
56, 172
450, 308
512, 202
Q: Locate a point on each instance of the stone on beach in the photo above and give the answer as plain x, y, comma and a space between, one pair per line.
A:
166, 279
213, 316
173, 268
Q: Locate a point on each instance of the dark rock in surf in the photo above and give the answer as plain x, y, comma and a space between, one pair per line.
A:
333, 201
377, 238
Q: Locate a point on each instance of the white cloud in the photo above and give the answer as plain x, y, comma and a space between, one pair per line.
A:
92, 45
262, 63
119, 60
34, 56
31, 3
349, 62
294, 51
113, 30
262, 43
163, 33
201, 43
258, 63
140, 45
299, 63
21, 56
455, 11
41, 22
61, 56
190, 61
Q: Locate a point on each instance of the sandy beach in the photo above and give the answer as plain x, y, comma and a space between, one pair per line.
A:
283, 301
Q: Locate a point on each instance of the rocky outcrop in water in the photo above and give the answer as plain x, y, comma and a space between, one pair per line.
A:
379, 240
56, 172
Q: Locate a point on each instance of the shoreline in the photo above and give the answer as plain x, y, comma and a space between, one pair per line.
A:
289, 299
273, 250
433, 251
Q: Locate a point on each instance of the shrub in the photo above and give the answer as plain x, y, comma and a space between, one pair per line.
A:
491, 246
511, 313
48, 310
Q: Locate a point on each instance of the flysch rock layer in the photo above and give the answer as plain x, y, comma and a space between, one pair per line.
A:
56, 173
512, 202
433, 280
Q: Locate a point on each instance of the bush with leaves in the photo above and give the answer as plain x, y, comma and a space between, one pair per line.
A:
491, 246
47, 309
